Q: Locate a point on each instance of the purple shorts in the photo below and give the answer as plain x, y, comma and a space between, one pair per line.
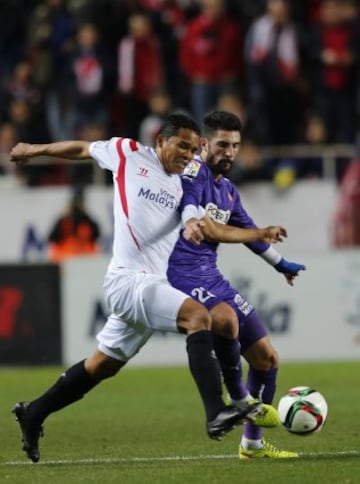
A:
214, 290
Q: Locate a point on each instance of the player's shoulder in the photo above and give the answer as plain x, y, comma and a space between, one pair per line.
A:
231, 188
194, 168
120, 142
121, 148
129, 145
229, 184
126, 143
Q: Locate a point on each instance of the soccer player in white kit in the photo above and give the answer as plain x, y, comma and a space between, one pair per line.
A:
147, 193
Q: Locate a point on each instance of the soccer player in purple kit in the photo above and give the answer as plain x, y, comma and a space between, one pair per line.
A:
193, 269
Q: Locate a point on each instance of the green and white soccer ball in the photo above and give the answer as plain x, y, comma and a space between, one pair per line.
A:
303, 410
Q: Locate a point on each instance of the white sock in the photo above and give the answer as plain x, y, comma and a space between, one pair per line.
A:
242, 400
250, 444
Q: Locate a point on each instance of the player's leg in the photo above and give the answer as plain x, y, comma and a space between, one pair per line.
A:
72, 385
262, 359
225, 318
169, 309
261, 383
225, 329
75, 382
214, 293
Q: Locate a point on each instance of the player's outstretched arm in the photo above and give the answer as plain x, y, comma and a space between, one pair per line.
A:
229, 234
74, 150
290, 270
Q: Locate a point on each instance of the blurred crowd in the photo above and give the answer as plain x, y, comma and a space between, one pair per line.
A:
92, 69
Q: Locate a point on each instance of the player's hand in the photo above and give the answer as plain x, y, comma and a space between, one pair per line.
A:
21, 153
274, 234
193, 231
289, 269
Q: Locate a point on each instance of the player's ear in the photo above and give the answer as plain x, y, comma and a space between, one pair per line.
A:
204, 147
159, 140
204, 144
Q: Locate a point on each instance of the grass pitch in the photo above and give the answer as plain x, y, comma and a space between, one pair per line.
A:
147, 426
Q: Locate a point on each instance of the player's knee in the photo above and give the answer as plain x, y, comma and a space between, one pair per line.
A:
274, 360
201, 320
198, 321
227, 329
103, 367
268, 361
108, 369
224, 321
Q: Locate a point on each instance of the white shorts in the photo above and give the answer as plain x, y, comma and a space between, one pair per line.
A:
139, 304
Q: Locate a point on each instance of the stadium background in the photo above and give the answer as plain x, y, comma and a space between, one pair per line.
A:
42, 320
49, 313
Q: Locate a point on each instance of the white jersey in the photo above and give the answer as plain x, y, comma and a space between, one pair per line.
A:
146, 199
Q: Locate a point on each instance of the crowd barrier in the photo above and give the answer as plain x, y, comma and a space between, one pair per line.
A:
316, 320
27, 215
328, 153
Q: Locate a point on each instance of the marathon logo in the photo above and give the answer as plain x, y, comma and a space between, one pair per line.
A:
162, 197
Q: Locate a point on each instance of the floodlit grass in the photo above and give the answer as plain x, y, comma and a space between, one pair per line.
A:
147, 426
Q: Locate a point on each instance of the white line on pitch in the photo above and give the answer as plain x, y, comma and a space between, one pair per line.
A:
130, 460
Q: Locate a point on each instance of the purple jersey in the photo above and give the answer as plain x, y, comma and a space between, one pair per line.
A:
221, 201
193, 268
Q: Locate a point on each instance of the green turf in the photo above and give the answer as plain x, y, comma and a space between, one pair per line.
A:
147, 426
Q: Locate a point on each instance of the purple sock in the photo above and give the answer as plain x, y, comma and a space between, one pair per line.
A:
261, 385
228, 355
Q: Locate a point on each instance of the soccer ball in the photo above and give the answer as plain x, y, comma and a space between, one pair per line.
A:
302, 410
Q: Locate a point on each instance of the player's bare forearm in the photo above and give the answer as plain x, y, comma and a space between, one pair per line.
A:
74, 150
273, 234
229, 234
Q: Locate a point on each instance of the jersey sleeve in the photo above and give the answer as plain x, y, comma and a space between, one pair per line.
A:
105, 153
240, 218
192, 181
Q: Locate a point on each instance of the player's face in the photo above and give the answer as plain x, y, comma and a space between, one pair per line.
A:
222, 150
176, 152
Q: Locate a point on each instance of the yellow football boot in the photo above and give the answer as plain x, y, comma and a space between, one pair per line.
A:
267, 450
